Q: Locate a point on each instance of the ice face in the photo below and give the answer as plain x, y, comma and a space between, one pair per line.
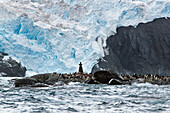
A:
55, 35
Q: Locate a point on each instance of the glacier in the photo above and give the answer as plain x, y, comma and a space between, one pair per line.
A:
55, 35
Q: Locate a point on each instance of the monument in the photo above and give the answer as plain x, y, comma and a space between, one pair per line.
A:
80, 68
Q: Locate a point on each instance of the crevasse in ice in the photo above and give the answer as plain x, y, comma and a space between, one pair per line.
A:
55, 35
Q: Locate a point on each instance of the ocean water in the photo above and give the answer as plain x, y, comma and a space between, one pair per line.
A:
85, 98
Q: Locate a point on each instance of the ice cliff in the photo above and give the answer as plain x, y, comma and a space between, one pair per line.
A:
55, 35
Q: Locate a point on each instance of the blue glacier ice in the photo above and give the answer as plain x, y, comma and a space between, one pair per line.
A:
55, 35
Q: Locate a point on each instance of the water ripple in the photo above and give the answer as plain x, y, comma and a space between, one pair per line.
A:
85, 98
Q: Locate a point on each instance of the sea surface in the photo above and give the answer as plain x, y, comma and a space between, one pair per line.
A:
85, 98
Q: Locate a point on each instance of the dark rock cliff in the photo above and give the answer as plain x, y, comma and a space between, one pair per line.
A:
142, 50
10, 68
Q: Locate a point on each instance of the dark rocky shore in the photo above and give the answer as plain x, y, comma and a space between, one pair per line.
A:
99, 77
43, 80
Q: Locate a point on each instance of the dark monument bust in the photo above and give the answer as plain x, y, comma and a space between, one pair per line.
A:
80, 68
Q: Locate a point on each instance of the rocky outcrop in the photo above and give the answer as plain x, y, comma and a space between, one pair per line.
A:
40, 80
143, 49
105, 77
100, 77
25, 82
55, 79
10, 67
